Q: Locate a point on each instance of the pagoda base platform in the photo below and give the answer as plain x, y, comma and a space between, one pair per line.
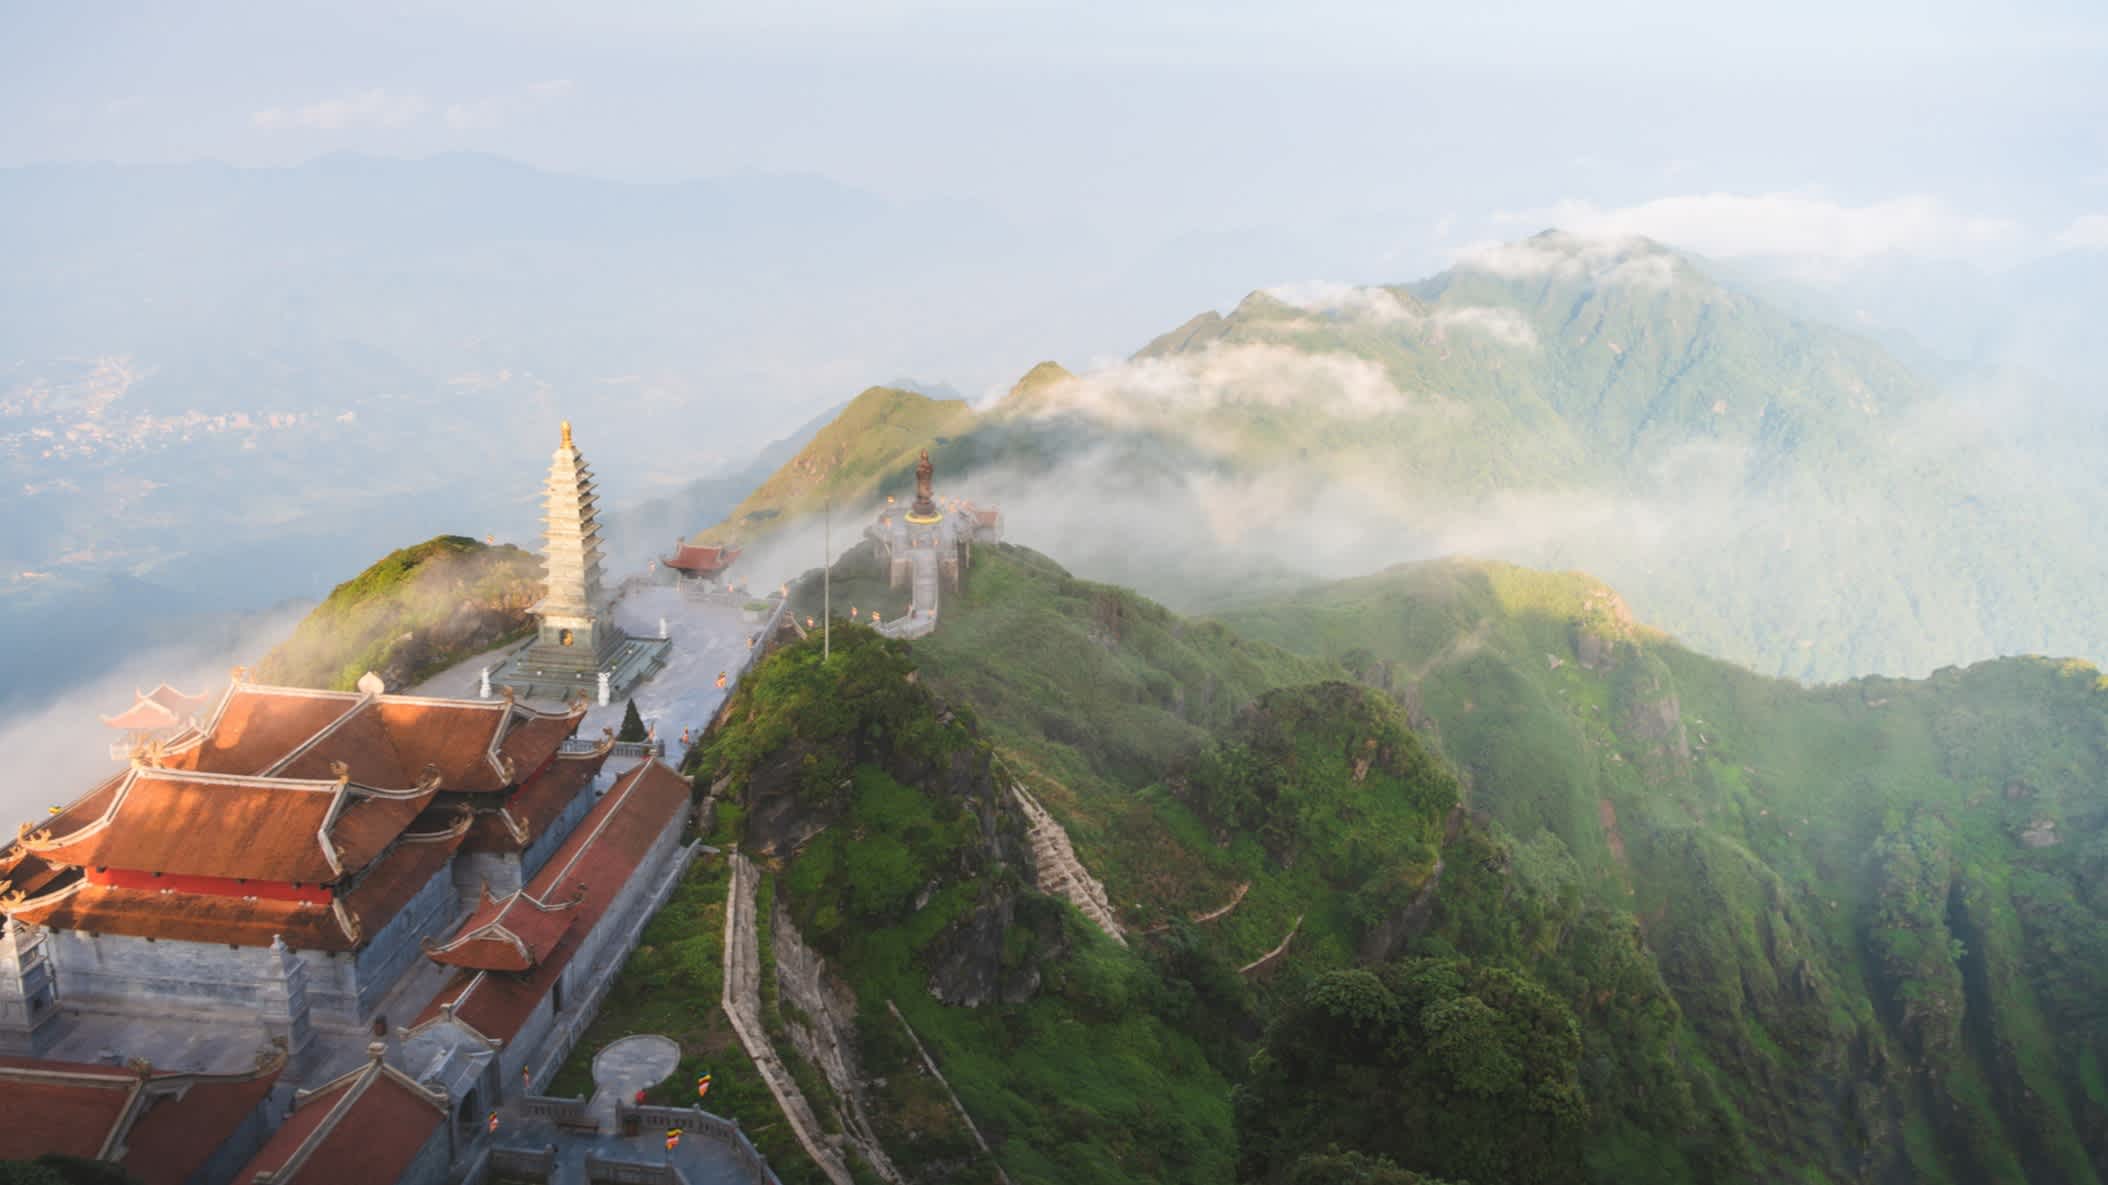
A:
629, 662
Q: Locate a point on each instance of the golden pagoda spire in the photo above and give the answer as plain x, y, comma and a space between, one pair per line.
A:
567, 433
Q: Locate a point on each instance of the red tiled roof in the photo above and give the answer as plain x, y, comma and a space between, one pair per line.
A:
182, 703
177, 1134
534, 738
399, 741
988, 517
28, 873
74, 1110
690, 558
591, 867
380, 892
143, 714
532, 807
273, 829
256, 726
184, 917
511, 933
161, 1126
364, 1127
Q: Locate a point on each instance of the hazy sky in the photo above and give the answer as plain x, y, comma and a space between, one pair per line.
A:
1944, 129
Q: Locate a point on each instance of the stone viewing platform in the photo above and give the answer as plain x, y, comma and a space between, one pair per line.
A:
926, 548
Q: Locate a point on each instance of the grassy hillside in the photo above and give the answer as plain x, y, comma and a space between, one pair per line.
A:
412, 614
1091, 694
1878, 905
875, 438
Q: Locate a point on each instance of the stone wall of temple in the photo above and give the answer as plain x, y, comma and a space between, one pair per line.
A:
545, 844
141, 976
390, 952
475, 873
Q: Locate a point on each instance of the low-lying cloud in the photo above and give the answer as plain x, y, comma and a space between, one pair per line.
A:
1144, 391
1383, 306
376, 108
58, 750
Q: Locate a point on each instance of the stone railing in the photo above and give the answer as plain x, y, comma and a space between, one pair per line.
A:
639, 749
605, 1171
694, 1121
522, 1164
561, 1112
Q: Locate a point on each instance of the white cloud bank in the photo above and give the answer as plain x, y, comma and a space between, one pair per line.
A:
1786, 225
1144, 390
376, 108
1382, 306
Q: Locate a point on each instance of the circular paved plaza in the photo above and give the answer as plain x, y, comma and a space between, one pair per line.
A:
627, 1066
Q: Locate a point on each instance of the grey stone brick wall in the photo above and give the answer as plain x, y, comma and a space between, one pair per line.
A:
110, 972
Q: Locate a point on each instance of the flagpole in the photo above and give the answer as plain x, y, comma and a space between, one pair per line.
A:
827, 585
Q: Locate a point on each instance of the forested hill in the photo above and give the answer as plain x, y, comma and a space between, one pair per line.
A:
1776, 491
1880, 907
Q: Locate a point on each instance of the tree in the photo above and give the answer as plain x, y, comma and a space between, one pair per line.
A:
632, 725
1435, 1066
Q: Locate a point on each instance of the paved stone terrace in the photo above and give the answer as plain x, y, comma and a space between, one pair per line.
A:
703, 1161
708, 639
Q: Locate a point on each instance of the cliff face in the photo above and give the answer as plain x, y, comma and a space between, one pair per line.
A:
884, 807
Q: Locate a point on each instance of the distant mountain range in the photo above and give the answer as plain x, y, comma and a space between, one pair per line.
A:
1774, 490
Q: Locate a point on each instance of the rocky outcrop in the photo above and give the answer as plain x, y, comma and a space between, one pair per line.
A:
968, 963
742, 1005
820, 1017
1059, 872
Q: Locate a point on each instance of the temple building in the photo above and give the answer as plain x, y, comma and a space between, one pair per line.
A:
155, 716
577, 645
282, 859
700, 569
926, 548
374, 1123
289, 876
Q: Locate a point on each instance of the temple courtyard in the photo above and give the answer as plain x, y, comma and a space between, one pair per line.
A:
709, 638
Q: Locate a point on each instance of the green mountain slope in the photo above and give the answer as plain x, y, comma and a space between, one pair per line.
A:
875, 437
1878, 905
1204, 775
414, 613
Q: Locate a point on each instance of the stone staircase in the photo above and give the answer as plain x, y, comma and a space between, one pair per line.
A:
1061, 874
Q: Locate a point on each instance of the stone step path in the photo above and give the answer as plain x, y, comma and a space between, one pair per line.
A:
1061, 874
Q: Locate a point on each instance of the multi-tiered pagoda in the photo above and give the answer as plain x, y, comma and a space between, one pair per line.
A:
577, 646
